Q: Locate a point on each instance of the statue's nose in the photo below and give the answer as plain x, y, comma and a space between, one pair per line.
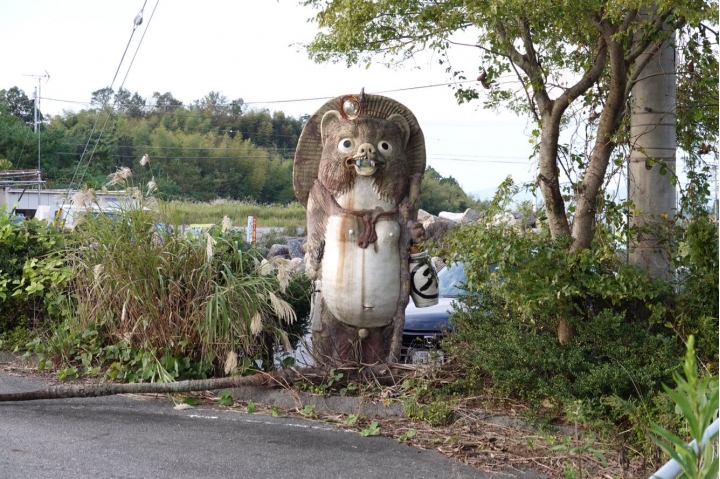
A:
366, 149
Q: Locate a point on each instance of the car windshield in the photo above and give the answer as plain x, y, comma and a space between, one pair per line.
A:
452, 279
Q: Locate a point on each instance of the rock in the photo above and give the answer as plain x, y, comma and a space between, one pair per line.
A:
468, 216
298, 265
423, 215
281, 250
437, 230
503, 219
447, 215
295, 248
428, 221
471, 216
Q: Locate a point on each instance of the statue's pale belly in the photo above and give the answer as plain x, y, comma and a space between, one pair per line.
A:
360, 286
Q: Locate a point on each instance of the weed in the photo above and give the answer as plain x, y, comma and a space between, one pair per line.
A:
308, 411
225, 398
696, 400
372, 430
351, 420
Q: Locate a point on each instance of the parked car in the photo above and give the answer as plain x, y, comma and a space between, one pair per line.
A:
424, 327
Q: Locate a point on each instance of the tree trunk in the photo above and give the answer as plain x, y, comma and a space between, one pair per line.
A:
587, 194
548, 174
652, 160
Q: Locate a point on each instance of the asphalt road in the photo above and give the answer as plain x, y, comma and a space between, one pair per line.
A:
141, 437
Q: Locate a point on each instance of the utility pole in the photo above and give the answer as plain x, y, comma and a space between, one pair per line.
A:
651, 172
36, 96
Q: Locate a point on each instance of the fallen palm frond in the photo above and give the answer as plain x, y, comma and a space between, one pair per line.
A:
378, 373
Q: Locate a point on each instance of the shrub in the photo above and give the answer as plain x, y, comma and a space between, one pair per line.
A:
165, 301
696, 310
614, 340
29, 266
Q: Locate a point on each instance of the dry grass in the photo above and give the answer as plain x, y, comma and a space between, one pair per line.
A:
201, 297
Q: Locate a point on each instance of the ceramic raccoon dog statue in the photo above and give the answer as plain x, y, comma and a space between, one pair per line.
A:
360, 217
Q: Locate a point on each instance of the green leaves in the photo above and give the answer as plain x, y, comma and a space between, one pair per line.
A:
697, 400
372, 430
225, 398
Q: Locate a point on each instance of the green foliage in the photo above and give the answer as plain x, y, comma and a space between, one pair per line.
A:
697, 300
528, 283
407, 435
30, 267
696, 398
286, 217
622, 331
87, 353
308, 411
423, 401
163, 305
212, 149
372, 430
225, 398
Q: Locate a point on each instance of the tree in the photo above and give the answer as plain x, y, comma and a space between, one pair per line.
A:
586, 55
102, 96
165, 102
132, 104
444, 194
16, 103
215, 106
15, 135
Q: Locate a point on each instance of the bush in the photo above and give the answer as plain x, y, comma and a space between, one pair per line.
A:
696, 310
551, 323
29, 266
585, 326
163, 302
608, 356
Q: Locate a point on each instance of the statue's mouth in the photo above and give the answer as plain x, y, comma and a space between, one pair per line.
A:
364, 166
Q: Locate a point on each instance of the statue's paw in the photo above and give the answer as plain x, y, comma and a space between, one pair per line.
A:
417, 232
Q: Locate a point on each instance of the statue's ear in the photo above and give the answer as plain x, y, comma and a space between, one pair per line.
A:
328, 119
404, 126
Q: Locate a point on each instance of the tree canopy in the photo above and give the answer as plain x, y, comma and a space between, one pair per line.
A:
575, 63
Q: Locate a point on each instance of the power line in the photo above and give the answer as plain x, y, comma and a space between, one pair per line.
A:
268, 102
97, 118
271, 157
442, 156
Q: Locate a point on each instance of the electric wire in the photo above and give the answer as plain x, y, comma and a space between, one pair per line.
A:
291, 100
97, 118
276, 150
107, 118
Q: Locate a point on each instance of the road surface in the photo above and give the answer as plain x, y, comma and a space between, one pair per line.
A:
142, 437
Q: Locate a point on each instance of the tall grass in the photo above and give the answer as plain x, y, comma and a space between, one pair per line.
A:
154, 289
286, 217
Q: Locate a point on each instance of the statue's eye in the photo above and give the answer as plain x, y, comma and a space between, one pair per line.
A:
346, 145
385, 147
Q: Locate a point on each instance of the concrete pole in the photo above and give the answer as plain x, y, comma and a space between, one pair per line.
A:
653, 137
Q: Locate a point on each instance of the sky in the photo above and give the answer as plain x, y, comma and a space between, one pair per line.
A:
249, 49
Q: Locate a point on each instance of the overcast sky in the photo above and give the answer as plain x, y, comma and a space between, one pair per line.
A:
249, 49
